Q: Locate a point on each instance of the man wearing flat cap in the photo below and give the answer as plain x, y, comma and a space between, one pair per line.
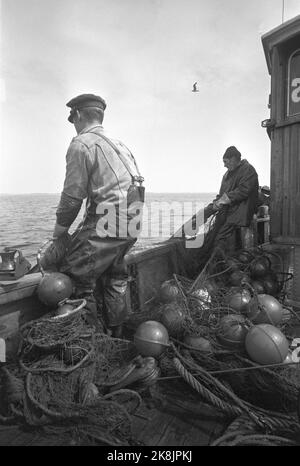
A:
102, 170
236, 202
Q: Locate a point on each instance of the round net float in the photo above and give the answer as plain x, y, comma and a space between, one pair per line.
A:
259, 267
197, 342
172, 317
232, 330
233, 263
270, 284
244, 256
151, 338
237, 277
258, 286
54, 287
169, 291
266, 344
64, 309
265, 309
238, 299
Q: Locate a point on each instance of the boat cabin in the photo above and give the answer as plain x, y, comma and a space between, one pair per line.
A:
282, 51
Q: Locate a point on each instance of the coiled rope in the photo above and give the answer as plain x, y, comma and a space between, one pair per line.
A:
267, 420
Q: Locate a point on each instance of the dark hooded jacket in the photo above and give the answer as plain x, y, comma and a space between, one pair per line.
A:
241, 186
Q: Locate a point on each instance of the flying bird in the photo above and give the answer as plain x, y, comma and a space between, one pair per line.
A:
195, 87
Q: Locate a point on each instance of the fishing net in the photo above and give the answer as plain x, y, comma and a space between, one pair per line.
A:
66, 380
220, 369
114, 359
73, 380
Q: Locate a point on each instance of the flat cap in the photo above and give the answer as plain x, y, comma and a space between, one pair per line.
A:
85, 100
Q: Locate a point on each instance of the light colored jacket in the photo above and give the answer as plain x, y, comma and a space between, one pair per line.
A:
95, 171
100, 169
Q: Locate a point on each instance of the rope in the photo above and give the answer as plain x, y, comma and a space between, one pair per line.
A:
59, 369
203, 271
220, 273
182, 294
45, 410
270, 421
207, 394
228, 392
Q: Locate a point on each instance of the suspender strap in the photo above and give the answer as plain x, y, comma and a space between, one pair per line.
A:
140, 179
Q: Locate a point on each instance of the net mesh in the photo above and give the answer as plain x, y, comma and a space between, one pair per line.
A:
61, 377
71, 380
225, 369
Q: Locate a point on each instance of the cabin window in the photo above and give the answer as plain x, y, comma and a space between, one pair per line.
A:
293, 100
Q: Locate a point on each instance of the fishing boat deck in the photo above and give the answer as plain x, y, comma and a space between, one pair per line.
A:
173, 415
182, 418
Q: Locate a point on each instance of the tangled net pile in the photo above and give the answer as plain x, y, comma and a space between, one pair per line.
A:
224, 375
59, 383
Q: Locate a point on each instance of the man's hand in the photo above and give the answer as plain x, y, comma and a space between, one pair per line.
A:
59, 231
215, 207
224, 200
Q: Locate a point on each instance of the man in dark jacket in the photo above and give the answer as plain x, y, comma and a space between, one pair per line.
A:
237, 199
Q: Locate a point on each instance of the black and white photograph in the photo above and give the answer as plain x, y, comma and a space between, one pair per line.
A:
149, 229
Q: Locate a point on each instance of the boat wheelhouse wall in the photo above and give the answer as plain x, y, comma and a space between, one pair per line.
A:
282, 51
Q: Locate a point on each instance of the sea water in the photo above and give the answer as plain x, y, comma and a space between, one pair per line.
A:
27, 220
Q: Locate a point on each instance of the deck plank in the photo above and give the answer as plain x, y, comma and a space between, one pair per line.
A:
180, 417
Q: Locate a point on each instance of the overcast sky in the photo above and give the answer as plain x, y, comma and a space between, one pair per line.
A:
142, 57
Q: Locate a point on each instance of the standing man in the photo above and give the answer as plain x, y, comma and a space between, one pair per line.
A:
237, 199
103, 171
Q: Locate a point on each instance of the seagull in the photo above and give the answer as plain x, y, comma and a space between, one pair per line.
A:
195, 87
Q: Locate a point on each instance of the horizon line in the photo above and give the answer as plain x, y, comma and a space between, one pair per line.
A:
147, 192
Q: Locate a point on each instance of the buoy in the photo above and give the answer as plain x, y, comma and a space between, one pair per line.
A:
237, 277
54, 287
265, 309
172, 317
270, 284
169, 291
244, 256
232, 330
197, 342
266, 344
202, 294
232, 263
259, 267
64, 309
151, 338
238, 299
258, 286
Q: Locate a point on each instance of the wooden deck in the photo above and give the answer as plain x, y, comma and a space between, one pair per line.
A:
180, 419
173, 415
